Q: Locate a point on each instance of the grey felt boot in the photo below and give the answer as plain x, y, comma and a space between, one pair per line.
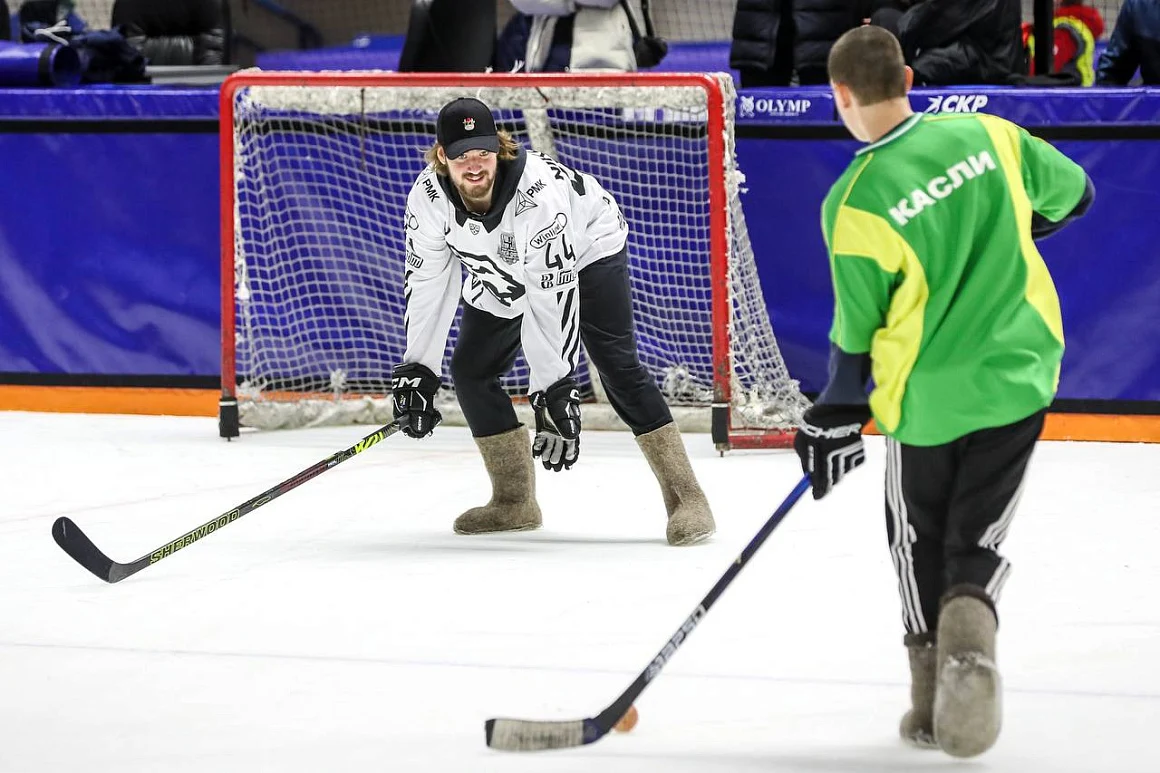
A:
968, 709
917, 726
690, 520
508, 459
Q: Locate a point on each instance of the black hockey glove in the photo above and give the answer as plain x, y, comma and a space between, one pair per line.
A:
557, 442
413, 389
829, 443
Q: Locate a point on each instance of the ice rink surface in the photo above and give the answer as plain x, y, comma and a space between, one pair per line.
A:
344, 627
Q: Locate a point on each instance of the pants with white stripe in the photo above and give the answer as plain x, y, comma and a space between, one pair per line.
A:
948, 508
487, 347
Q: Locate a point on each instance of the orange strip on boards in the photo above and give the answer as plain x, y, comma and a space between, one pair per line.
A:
1101, 427
204, 402
138, 400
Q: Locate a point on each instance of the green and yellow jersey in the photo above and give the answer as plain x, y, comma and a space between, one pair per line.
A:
936, 275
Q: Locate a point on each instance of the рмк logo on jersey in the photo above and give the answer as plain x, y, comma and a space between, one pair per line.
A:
525, 200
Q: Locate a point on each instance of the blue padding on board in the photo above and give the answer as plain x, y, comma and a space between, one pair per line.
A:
335, 58
806, 105
694, 56
109, 243
87, 103
106, 269
1107, 271
1026, 106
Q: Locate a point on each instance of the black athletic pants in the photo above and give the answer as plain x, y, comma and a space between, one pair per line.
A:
948, 508
487, 347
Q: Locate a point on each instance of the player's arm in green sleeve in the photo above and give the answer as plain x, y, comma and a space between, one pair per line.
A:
1059, 189
862, 292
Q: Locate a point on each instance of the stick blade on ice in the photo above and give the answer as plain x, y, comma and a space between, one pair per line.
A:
525, 735
82, 550
77, 544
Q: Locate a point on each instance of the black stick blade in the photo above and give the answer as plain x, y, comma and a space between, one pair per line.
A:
526, 735
77, 544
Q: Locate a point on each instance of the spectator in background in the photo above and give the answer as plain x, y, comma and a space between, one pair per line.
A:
1135, 43
1077, 27
763, 36
567, 35
176, 32
952, 42
781, 42
817, 26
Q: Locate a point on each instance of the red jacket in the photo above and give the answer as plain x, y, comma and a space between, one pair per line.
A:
1065, 48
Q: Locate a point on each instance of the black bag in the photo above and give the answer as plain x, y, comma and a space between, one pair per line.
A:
648, 48
107, 57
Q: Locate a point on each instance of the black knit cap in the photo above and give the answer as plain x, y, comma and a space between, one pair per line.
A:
466, 124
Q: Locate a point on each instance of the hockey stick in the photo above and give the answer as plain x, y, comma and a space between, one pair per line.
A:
524, 735
74, 541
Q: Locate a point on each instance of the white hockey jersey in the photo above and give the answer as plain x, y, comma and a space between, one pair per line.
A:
547, 222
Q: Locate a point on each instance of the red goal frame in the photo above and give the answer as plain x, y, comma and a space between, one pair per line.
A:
724, 435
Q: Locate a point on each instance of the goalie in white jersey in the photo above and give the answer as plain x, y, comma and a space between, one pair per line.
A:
547, 268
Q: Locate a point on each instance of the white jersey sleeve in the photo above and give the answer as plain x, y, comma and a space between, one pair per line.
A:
431, 277
551, 326
569, 223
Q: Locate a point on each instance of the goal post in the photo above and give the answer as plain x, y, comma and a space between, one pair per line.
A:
315, 171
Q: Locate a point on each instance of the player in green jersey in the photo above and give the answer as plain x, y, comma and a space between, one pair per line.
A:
942, 298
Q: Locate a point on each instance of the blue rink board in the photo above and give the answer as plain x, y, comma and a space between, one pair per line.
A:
805, 106
109, 233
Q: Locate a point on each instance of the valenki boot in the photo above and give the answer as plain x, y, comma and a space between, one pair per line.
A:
690, 520
968, 709
508, 459
917, 726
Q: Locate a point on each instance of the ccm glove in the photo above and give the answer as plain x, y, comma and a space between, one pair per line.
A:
413, 389
557, 442
829, 443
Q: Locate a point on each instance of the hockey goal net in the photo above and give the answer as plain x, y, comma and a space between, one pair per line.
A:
316, 168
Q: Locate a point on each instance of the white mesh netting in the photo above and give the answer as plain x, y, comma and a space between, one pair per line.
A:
321, 176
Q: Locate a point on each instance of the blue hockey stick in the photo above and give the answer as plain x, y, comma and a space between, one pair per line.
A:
522, 735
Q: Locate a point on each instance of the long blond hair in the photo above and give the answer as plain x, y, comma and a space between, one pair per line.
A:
508, 149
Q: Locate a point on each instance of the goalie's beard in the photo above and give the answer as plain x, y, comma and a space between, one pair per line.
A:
476, 195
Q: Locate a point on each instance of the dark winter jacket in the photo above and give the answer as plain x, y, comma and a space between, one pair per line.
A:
818, 24
186, 33
951, 42
756, 25
1135, 43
